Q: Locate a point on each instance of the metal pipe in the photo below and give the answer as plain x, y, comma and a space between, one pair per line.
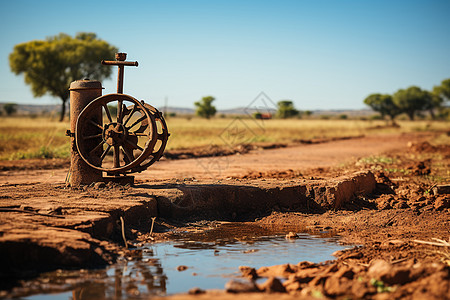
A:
118, 63
82, 92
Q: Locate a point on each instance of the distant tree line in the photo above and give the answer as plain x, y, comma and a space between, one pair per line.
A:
413, 101
285, 109
9, 108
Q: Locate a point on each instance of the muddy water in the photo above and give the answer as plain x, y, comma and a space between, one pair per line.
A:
195, 258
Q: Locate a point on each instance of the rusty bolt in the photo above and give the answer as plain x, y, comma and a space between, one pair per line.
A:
121, 56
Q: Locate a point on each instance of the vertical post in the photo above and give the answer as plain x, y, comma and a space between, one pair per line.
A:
120, 80
120, 57
82, 92
121, 63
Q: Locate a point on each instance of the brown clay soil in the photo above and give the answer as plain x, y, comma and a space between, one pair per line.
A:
387, 193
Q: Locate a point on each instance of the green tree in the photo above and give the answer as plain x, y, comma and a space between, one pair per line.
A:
50, 65
10, 108
411, 100
383, 104
286, 109
205, 109
441, 93
307, 113
433, 103
443, 90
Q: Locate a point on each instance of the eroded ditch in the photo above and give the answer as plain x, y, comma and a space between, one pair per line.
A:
73, 229
205, 259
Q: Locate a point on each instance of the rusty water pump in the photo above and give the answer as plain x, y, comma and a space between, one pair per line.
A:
113, 134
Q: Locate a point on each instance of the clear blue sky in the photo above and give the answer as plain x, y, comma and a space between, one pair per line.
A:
322, 54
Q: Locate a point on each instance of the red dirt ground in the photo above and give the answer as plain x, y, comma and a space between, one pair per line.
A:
403, 223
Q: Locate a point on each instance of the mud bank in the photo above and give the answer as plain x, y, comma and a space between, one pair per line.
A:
45, 227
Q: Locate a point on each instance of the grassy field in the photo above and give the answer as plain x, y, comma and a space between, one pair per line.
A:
45, 138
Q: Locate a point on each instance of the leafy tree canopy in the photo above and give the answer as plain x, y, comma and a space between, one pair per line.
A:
286, 109
443, 90
50, 65
205, 109
383, 104
411, 100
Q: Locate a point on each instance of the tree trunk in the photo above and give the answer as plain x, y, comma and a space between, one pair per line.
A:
63, 109
432, 114
393, 120
410, 115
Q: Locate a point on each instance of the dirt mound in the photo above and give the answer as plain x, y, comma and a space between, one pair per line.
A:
426, 147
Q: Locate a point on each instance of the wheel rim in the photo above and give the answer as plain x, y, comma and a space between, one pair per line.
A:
162, 138
116, 133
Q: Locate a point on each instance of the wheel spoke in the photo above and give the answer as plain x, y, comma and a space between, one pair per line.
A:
92, 136
104, 153
99, 146
119, 111
130, 115
135, 145
128, 154
96, 124
108, 114
137, 121
116, 161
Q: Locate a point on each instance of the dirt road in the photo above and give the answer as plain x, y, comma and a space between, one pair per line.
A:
297, 158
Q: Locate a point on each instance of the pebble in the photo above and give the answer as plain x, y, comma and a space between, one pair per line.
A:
239, 286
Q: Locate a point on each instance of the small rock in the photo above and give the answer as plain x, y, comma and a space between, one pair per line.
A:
344, 272
306, 264
354, 253
291, 235
379, 268
441, 203
238, 286
99, 185
335, 285
250, 251
395, 243
399, 275
196, 291
182, 268
401, 204
272, 285
384, 271
248, 272
284, 270
292, 286
384, 205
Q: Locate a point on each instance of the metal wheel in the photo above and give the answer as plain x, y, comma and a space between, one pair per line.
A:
117, 134
163, 136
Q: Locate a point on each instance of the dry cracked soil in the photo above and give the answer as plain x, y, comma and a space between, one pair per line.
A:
387, 193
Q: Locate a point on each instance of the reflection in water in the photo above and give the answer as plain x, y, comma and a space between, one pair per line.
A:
211, 257
142, 276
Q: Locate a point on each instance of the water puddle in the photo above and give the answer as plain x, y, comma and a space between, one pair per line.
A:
198, 258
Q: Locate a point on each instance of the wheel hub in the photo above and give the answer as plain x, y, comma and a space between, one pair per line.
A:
115, 134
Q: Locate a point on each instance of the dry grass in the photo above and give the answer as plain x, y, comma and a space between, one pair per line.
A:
33, 137
42, 137
186, 133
